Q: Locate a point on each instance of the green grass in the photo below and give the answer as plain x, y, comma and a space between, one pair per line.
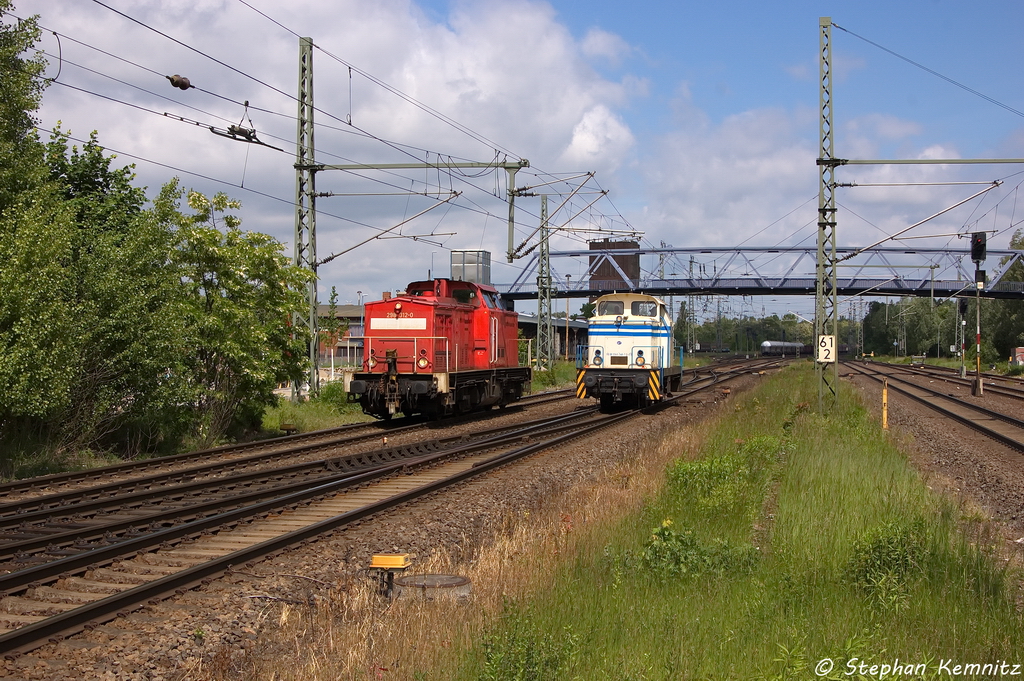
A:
329, 409
792, 539
28, 457
561, 374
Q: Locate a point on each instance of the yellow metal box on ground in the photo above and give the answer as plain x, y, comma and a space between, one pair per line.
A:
390, 561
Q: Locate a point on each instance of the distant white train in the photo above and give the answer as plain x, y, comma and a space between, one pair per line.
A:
782, 348
628, 360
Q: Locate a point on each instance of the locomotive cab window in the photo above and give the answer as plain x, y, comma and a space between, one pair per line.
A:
644, 308
465, 296
493, 301
610, 307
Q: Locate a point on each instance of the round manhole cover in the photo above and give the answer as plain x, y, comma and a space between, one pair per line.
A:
432, 586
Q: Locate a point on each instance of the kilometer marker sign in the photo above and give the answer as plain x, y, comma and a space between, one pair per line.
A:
826, 349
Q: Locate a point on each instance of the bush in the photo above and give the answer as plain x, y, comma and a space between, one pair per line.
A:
886, 558
519, 652
730, 483
673, 554
333, 394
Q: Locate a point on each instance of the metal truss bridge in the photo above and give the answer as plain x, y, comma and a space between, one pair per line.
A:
752, 271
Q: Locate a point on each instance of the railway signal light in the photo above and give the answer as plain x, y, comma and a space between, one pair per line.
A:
978, 246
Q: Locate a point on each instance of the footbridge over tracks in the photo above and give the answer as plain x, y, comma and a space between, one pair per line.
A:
752, 271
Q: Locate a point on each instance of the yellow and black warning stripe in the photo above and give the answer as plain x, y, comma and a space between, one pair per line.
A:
654, 386
581, 389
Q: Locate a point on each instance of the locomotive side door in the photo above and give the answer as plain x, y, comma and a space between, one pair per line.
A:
493, 319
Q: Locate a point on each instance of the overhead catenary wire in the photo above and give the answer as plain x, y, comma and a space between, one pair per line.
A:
217, 180
424, 107
933, 72
444, 160
200, 124
380, 83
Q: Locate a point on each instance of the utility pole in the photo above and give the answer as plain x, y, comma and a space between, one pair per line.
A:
567, 277
825, 271
978, 253
305, 214
306, 168
961, 323
545, 332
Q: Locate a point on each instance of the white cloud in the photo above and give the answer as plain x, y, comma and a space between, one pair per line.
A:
601, 44
719, 185
507, 69
599, 136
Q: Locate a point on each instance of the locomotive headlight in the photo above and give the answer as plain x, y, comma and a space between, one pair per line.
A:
398, 307
371, 362
639, 358
598, 359
422, 363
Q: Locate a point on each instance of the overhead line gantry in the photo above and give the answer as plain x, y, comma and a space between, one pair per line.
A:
306, 169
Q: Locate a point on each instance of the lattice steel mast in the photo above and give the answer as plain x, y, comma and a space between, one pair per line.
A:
305, 212
545, 327
825, 286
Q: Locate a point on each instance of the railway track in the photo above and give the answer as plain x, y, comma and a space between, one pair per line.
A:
1001, 427
38, 530
994, 383
236, 457
144, 553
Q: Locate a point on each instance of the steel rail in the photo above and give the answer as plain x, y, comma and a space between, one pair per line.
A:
54, 628
18, 510
961, 418
103, 555
110, 530
34, 483
60, 500
32, 635
30, 484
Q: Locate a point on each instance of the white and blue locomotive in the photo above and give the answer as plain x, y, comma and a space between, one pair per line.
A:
628, 359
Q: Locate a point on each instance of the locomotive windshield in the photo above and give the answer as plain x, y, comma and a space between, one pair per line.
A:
644, 308
609, 307
492, 300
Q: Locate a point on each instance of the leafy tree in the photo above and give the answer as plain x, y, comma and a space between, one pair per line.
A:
35, 319
20, 91
124, 291
332, 327
123, 325
84, 329
239, 292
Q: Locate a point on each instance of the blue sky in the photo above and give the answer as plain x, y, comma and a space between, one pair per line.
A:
699, 118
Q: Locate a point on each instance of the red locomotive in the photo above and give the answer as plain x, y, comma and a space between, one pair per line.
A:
442, 347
